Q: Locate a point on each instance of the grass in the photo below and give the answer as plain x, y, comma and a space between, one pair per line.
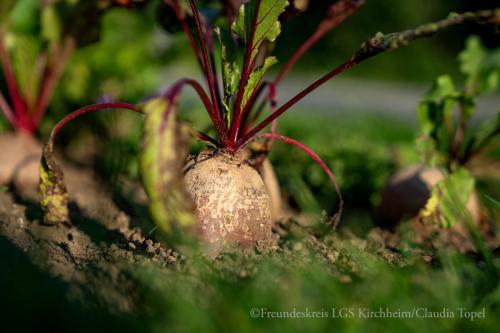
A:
323, 276
362, 149
335, 273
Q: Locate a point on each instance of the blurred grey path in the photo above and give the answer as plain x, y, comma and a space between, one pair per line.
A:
343, 95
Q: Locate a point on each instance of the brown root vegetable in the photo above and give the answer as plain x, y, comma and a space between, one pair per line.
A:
19, 160
407, 192
231, 200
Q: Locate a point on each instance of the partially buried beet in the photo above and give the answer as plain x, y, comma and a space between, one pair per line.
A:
231, 200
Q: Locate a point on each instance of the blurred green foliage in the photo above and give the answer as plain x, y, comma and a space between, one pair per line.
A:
447, 140
419, 61
363, 150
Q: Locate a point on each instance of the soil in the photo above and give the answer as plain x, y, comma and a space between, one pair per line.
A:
95, 258
20, 155
95, 255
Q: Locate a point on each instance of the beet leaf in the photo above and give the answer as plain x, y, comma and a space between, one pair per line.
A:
162, 156
449, 198
231, 72
257, 21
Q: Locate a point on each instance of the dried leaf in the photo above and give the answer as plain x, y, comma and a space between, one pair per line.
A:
54, 196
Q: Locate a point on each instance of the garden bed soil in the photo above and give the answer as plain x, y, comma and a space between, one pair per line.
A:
95, 257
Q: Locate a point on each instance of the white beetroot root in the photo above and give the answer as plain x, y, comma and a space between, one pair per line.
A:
19, 160
266, 171
231, 200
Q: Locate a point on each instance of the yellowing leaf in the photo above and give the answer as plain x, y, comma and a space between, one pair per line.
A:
161, 159
431, 206
449, 197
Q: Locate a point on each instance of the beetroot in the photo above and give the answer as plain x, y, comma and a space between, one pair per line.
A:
232, 203
20, 155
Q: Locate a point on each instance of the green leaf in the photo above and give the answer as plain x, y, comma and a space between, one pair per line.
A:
25, 52
230, 71
471, 59
24, 16
256, 77
480, 66
51, 25
267, 26
162, 156
449, 197
53, 193
79, 77
435, 114
442, 88
489, 80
